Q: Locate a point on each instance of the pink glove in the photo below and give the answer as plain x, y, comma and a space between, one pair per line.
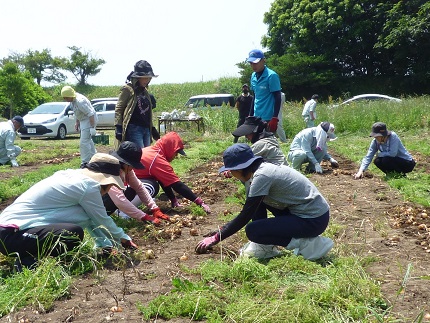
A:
175, 202
273, 124
151, 219
207, 243
227, 174
200, 202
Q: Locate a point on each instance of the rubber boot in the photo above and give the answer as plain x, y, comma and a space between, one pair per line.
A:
311, 248
261, 251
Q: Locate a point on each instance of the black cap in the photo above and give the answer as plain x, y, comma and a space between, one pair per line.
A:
182, 152
18, 119
250, 125
129, 153
315, 96
379, 129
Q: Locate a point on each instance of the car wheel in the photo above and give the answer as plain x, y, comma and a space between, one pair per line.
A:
62, 132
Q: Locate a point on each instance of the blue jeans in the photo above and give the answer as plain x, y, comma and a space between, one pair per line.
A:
141, 136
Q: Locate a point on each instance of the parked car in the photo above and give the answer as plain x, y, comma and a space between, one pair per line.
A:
103, 99
53, 119
105, 110
212, 100
368, 97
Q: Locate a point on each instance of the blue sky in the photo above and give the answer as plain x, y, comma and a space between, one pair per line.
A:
184, 41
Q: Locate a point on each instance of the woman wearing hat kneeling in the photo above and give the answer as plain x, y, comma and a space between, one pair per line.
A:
300, 212
129, 155
51, 216
392, 156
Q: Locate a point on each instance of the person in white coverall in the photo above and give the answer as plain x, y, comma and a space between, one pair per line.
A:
8, 150
86, 121
310, 146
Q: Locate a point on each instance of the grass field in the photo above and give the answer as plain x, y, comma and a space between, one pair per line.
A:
328, 287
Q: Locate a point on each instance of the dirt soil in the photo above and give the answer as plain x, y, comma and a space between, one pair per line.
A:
374, 219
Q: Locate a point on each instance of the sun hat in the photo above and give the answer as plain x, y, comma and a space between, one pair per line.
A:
142, 69
104, 169
129, 153
68, 92
255, 56
18, 119
379, 129
238, 156
250, 125
329, 128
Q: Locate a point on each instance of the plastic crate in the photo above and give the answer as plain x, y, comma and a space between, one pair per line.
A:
101, 139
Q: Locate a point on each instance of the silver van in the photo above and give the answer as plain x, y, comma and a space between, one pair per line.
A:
210, 100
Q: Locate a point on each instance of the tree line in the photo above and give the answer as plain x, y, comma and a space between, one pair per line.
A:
21, 75
333, 48
348, 46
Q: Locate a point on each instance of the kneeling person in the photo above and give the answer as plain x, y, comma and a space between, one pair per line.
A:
129, 155
300, 212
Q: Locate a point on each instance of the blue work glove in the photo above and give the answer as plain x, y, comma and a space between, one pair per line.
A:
118, 132
207, 243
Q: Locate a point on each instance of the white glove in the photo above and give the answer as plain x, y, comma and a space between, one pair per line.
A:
14, 163
318, 168
93, 131
334, 163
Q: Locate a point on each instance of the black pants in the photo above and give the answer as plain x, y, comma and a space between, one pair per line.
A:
151, 186
34, 243
394, 164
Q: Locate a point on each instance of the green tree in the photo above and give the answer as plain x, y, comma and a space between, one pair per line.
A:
18, 92
82, 65
406, 35
333, 45
41, 65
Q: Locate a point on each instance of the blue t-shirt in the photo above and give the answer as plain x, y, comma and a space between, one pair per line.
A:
263, 87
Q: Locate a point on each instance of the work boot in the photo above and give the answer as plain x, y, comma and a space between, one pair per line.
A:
260, 251
311, 248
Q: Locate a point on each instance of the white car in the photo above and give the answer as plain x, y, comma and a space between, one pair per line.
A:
53, 119
212, 100
369, 97
105, 111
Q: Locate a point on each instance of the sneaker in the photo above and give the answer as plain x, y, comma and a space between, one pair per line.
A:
314, 248
260, 251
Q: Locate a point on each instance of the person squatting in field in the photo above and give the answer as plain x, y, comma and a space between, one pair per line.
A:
391, 155
8, 150
310, 146
129, 155
159, 172
300, 212
49, 219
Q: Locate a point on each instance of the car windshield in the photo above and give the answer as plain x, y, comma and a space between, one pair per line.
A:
48, 109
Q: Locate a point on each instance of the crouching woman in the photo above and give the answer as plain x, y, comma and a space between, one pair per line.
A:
51, 216
300, 212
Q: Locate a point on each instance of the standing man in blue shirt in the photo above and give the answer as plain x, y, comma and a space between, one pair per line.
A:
267, 90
